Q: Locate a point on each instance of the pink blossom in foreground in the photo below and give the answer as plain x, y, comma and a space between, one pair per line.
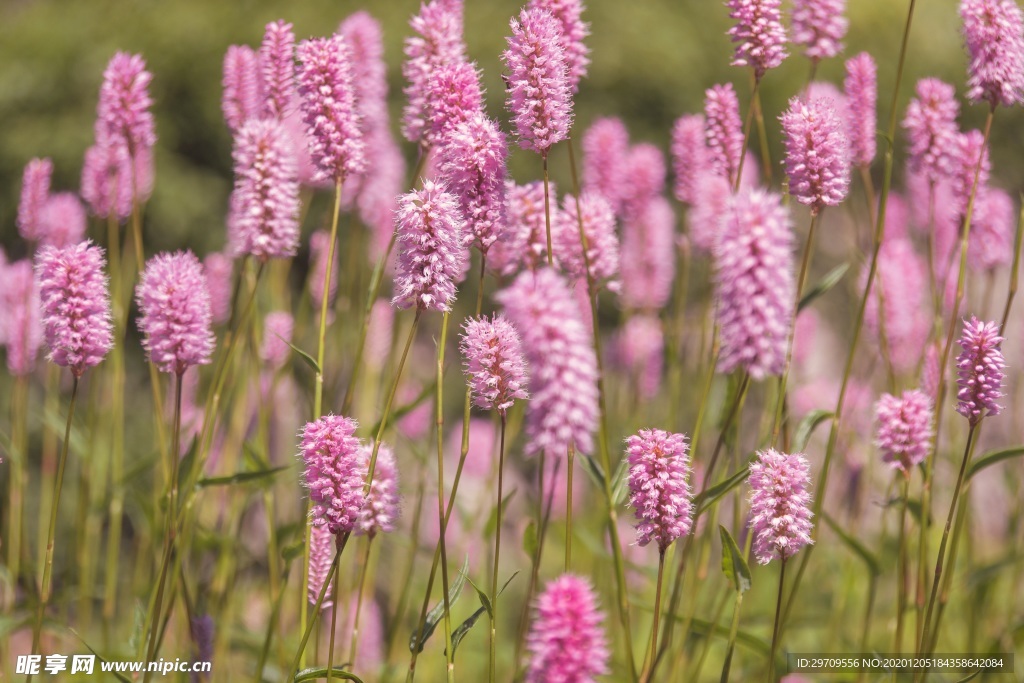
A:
904, 429
758, 34
931, 128
523, 244
723, 130
560, 362
566, 642
277, 66
755, 284
599, 229
322, 549
438, 41
431, 256
218, 268
75, 303
817, 153
277, 335
174, 300
334, 472
35, 188
861, 88
454, 95
994, 35
689, 157
574, 30
495, 366
648, 262
820, 25
980, 370
640, 348
605, 149
241, 98
21, 322
539, 95
381, 507
123, 113
659, 472
780, 515
62, 221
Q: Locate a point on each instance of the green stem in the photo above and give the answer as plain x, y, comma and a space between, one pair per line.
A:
901, 571
762, 135
776, 628
754, 95
657, 607
568, 505
1014, 271
733, 629
439, 414
318, 387
359, 604
337, 604
294, 668
494, 570
18, 481
547, 209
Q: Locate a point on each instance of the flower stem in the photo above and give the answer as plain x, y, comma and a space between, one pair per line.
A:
497, 547
754, 95
337, 603
359, 603
439, 414
657, 607
733, 629
294, 668
568, 505
901, 571
1014, 271
547, 209
318, 387
762, 135
776, 627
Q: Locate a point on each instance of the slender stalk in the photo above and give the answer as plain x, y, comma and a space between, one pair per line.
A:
359, 603
657, 607
335, 610
294, 668
762, 134
568, 505
547, 208
901, 571
1014, 271
18, 481
733, 630
439, 413
776, 628
754, 95
403, 597
318, 387
494, 570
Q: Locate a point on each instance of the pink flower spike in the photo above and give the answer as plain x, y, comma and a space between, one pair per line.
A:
329, 108
319, 242
759, 36
903, 278
322, 548
107, 180
820, 25
335, 473
380, 508
644, 180
35, 189
904, 429
240, 100
705, 218
971, 160
277, 65
605, 150
994, 35
566, 642
992, 229
755, 284
648, 261
980, 370
659, 472
523, 243
431, 257
931, 128
494, 363
123, 111
602, 242
438, 41
723, 130
689, 157
75, 304
218, 268
174, 301
22, 327
861, 87
277, 335
454, 96
641, 348
817, 153
539, 95
780, 515
62, 221
574, 30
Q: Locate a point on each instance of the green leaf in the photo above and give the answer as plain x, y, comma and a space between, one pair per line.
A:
620, 482
807, 426
746, 639
530, 539
492, 520
321, 672
310, 361
240, 477
874, 566
992, 458
706, 499
402, 411
463, 629
970, 677
485, 602
988, 573
733, 565
434, 616
121, 677
830, 280
6, 446
594, 470
294, 550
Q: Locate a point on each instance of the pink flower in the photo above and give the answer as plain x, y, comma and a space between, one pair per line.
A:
992, 229
755, 284
431, 257
643, 181
322, 549
335, 473
123, 113
265, 202
641, 347
971, 159
861, 87
473, 162
381, 186
931, 128
539, 95
574, 30
62, 221
241, 98
107, 179
602, 243
704, 219
759, 36
217, 267
35, 189
523, 243
904, 429
819, 25
364, 37
980, 367
319, 243
605, 149
379, 333
690, 157
75, 305
648, 261
438, 42
780, 517
277, 335
454, 96
494, 363
817, 153
994, 35
277, 66
380, 508
723, 130
566, 642
175, 304
21, 324
659, 470
903, 278
329, 108
560, 360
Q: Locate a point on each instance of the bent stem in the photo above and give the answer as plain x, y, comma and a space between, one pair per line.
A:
754, 95
776, 627
293, 670
497, 548
439, 411
359, 603
336, 607
657, 608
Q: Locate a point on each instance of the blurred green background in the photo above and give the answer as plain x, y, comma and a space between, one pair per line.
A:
652, 61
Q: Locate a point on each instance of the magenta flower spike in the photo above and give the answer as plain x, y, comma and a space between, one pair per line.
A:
641, 349
755, 284
605, 150
705, 218
648, 261
539, 95
560, 362
322, 547
107, 180
123, 113
817, 153
319, 242
365, 39
438, 41
335, 473
241, 97
659, 473
75, 305
980, 370
780, 515
264, 221
690, 157
992, 228
277, 69
62, 221
22, 326
566, 641
903, 277
381, 507
723, 130
495, 366
329, 108
523, 243
174, 301
820, 26
602, 242
454, 96
969, 152
931, 128
644, 180
861, 88
904, 429
277, 335
994, 35
473, 162
35, 189
574, 31
431, 257
758, 34
218, 268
